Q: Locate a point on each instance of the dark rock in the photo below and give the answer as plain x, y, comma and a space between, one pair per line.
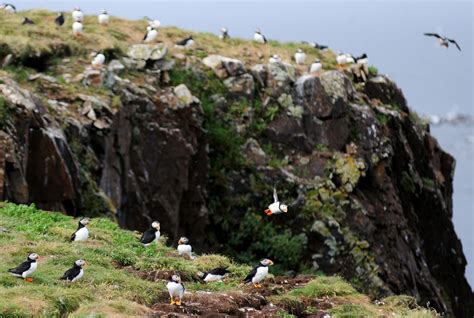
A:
383, 89
241, 86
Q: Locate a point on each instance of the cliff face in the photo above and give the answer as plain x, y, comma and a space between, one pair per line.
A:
372, 189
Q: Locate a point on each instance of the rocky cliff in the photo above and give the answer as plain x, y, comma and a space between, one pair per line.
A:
197, 140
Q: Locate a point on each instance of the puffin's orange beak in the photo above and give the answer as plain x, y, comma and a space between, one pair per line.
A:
268, 212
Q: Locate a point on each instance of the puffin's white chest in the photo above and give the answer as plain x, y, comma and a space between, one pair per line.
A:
189, 43
77, 16
103, 19
257, 37
175, 289
82, 234
151, 36
300, 58
98, 60
315, 67
79, 276
341, 59
77, 28
157, 235
32, 268
275, 208
262, 272
185, 249
213, 278
363, 61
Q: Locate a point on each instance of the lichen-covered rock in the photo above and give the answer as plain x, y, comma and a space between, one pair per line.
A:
255, 153
224, 66
241, 86
383, 89
185, 97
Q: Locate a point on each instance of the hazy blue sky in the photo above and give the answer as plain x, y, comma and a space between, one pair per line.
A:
434, 80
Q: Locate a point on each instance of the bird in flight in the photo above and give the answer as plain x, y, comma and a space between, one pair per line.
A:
444, 41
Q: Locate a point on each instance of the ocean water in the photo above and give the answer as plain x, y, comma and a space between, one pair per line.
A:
435, 81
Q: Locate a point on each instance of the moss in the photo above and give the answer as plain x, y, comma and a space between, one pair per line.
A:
429, 183
3, 112
408, 184
324, 286
373, 70
351, 311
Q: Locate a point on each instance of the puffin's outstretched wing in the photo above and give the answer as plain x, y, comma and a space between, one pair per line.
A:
219, 271
455, 43
249, 277
20, 269
275, 195
433, 34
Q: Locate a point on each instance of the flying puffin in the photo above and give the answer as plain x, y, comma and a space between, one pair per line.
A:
213, 275
98, 59
258, 273
316, 45
151, 235
186, 42
276, 207
275, 58
150, 35
153, 23
7, 7
77, 28
59, 19
26, 268
82, 233
176, 290
26, 21
224, 34
103, 18
259, 37
75, 272
444, 41
77, 15
300, 57
316, 66
184, 248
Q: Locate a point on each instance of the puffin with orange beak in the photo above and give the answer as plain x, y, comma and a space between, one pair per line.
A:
258, 273
26, 268
75, 272
276, 207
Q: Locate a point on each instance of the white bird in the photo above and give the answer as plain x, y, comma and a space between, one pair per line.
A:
184, 248
151, 235
82, 232
275, 58
186, 42
300, 57
75, 272
26, 268
176, 290
7, 7
77, 15
150, 35
363, 59
258, 273
214, 275
259, 37
77, 28
153, 23
316, 66
276, 207
343, 59
98, 59
103, 18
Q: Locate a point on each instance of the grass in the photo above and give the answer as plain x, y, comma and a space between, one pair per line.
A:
325, 286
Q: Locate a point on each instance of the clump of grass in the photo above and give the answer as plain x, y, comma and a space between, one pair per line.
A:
352, 310
325, 286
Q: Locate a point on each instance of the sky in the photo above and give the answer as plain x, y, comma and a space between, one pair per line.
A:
435, 80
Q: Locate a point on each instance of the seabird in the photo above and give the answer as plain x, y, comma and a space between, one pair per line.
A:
77, 15
103, 18
151, 235
184, 248
26, 20
59, 19
300, 57
153, 23
276, 207
363, 59
444, 41
213, 275
316, 66
75, 272
176, 290
26, 268
316, 45
98, 59
7, 7
258, 273
82, 233
275, 58
77, 28
259, 37
187, 42
343, 59
150, 35
224, 34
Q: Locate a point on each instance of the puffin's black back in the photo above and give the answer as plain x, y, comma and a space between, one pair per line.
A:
71, 273
23, 267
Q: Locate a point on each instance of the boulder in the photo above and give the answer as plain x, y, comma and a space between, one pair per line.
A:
184, 95
241, 86
224, 66
382, 88
254, 152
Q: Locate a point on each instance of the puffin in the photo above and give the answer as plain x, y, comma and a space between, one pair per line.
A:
276, 207
300, 57
77, 15
27, 21
343, 59
82, 233
98, 60
59, 19
184, 248
150, 35
224, 34
7, 7
316, 45
77, 28
75, 272
176, 290
103, 18
151, 235
26, 268
275, 58
213, 275
259, 37
153, 23
443, 41
316, 66
363, 59
258, 273
186, 42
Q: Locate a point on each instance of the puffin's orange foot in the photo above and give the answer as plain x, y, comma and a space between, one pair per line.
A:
257, 285
268, 212
29, 280
172, 301
178, 302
